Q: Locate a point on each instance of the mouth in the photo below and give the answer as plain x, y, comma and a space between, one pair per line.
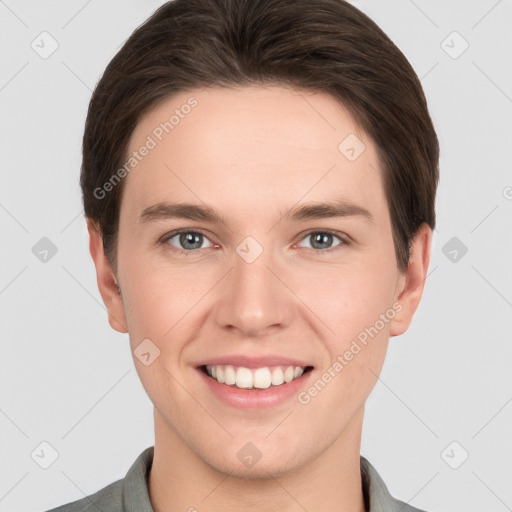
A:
254, 378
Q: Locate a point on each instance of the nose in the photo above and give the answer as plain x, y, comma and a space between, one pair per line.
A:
255, 297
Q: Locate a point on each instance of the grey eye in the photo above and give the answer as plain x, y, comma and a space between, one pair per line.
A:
188, 240
322, 239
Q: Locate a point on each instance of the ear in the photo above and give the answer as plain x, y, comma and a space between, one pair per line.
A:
106, 280
411, 283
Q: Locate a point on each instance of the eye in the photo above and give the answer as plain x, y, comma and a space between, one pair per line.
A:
321, 240
189, 241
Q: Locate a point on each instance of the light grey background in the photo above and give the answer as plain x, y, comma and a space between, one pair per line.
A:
68, 379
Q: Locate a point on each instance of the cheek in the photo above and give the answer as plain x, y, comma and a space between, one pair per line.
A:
347, 299
359, 318
161, 298
355, 306
166, 302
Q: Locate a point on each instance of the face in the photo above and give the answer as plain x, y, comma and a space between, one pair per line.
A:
263, 278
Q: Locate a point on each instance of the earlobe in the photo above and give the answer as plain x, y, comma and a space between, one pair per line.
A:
107, 282
412, 281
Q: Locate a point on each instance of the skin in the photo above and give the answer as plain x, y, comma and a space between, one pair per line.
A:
250, 153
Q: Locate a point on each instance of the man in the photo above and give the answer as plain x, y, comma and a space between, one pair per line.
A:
259, 182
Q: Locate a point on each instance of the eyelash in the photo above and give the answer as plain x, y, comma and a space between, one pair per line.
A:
341, 236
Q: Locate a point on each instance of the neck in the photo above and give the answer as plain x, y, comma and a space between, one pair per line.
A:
181, 481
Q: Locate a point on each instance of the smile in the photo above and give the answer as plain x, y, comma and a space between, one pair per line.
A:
254, 378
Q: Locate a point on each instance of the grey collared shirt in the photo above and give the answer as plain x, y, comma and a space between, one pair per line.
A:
130, 494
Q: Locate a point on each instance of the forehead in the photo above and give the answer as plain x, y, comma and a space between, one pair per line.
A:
251, 146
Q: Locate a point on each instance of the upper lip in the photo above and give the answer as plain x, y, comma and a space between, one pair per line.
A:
254, 362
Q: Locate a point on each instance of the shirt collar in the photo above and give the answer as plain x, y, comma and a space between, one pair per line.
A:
135, 484
377, 496
136, 495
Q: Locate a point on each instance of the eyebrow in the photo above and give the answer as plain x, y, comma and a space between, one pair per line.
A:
309, 211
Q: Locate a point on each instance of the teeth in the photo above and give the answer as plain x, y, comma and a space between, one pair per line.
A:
229, 375
261, 378
289, 373
277, 376
244, 378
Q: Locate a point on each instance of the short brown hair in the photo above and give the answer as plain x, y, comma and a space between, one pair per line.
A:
325, 46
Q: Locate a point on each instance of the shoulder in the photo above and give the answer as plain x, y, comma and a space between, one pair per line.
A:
128, 494
108, 499
377, 495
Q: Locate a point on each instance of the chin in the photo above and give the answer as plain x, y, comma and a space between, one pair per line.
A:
263, 469
258, 459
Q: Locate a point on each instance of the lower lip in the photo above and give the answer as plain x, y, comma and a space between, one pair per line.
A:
255, 398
